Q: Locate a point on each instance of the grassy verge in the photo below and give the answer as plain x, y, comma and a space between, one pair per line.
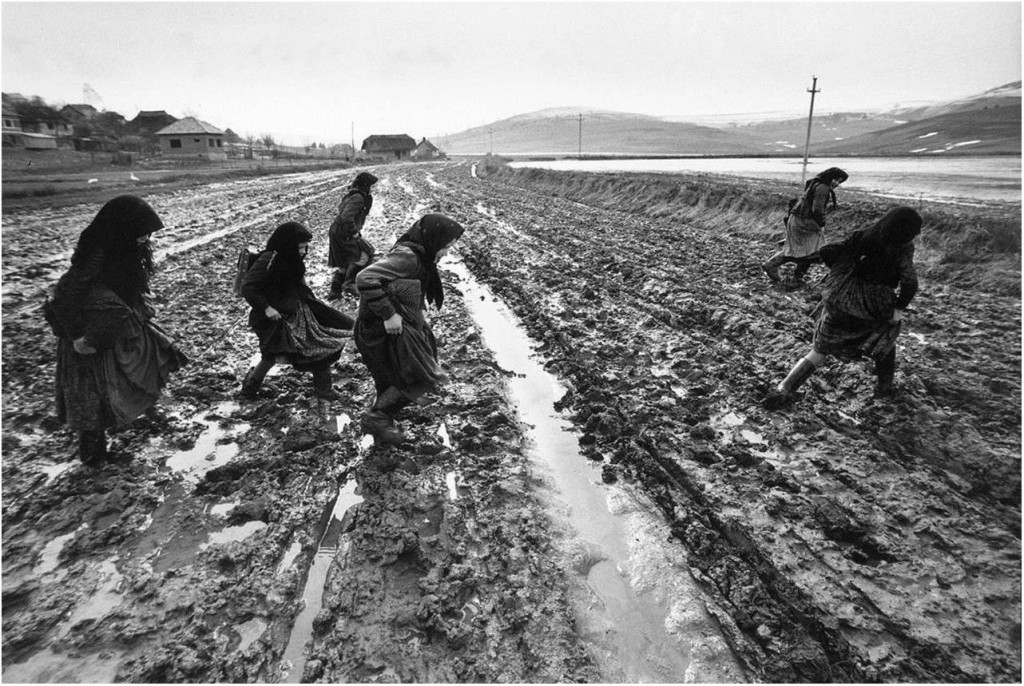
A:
974, 247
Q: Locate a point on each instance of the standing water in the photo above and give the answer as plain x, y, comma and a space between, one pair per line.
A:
639, 610
332, 545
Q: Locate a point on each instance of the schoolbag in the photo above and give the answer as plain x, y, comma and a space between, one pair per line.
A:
246, 259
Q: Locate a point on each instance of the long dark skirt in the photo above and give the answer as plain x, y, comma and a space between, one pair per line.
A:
110, 388
407, 361
313, 336
848, 337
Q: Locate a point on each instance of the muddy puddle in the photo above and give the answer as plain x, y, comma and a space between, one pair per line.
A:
332, 545
639, 612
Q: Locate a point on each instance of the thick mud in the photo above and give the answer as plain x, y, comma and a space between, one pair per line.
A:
842, 539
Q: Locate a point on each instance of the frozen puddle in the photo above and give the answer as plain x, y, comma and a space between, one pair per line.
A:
639, 609
215, 445
332, 545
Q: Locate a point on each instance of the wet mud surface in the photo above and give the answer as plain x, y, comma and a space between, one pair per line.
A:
841, 539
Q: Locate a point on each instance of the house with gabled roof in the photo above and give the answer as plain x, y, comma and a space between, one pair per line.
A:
191, 138
425, 150
148, 122
76, 114
391, 146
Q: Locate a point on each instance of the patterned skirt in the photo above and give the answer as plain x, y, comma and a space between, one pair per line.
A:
803, 237
311, 337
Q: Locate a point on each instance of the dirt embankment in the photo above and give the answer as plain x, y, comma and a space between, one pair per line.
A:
841, 539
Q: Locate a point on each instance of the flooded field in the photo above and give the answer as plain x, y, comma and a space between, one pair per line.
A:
598, 495
927, 177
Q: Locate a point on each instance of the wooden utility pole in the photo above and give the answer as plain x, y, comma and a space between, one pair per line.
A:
580, 154
812, 90
352, 133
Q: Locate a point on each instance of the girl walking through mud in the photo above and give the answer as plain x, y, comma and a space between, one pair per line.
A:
112, 359
871, 282
392, 332
292, 325
805, 225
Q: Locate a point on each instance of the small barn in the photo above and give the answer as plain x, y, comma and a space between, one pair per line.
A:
389, 147
148, 122
191, 138
77, 114
12, 129
39, 141
425, 150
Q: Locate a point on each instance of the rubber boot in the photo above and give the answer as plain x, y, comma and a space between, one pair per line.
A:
771, 267
784, 392
254, 378
337, 283
885, 370
92, 447
379, 422
322, 386
350, 280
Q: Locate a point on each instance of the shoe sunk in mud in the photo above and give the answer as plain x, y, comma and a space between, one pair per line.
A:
772, 272
382, 428
92, 448
777, 399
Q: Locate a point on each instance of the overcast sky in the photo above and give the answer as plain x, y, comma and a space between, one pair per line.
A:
311, 71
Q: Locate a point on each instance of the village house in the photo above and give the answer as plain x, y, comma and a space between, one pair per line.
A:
12, 135
53, 127
190, 138
389, 147
76, 114
148, 122
426, 150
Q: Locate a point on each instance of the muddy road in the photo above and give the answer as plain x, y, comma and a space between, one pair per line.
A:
597, 495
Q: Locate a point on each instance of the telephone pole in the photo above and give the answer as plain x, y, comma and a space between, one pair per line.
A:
352, 133
812, 90
580, 154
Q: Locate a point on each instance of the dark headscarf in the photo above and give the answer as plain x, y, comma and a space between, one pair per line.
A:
879, 246
827, 177
427, 237
364, 180
127, 265
288, 265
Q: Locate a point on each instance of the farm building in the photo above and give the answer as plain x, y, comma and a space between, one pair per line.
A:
12, 129
190, 138
76, 114
392, 147
426, 150
148, 122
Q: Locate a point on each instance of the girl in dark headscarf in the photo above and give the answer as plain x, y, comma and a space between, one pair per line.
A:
291, 324
391, 332
112, 359
805, 225
871, 282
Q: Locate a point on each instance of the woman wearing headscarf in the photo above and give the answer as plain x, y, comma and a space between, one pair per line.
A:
391, 332
292, 325
871, 282
112, 359
805, 225
349, 251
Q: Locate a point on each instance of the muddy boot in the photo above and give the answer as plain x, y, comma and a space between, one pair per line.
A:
771, 267
350, 280
382, 427
885, 370
322, 387
337, 283
92, 447
254, 379
784, 392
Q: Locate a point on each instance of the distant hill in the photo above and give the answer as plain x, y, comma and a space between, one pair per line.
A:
993, 131
991, 118
557, 130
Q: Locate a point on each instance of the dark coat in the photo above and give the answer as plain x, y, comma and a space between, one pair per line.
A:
347, 227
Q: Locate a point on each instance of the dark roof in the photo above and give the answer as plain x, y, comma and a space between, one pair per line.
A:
152, 114
399, 141
82, 109
427, 144
189, 125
